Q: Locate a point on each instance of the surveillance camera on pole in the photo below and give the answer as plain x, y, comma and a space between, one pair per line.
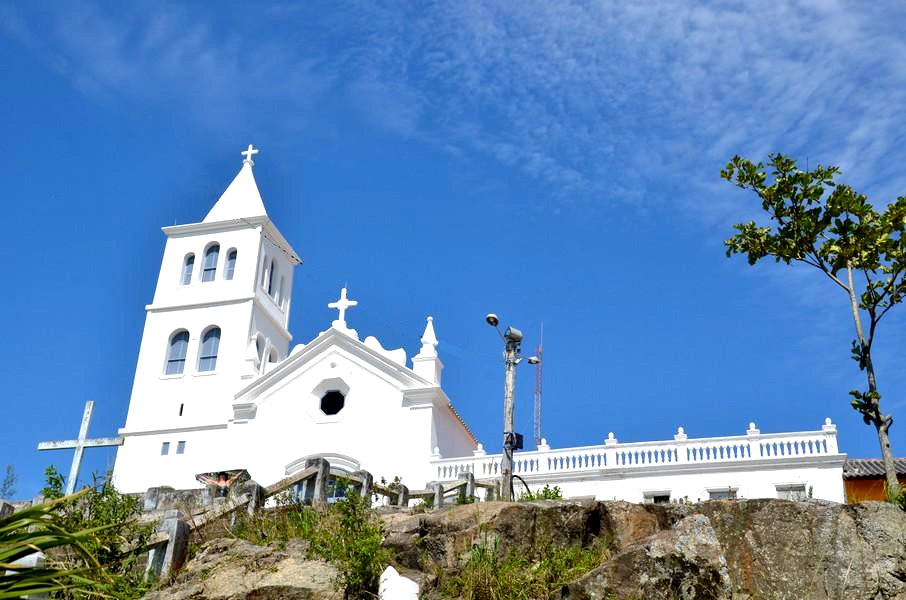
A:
512, 356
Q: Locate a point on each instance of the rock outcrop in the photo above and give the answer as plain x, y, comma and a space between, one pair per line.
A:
723, 550
733, 549
231, 569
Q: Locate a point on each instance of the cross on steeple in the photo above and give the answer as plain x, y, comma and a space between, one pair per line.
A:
341, 305
80, 444
251, 151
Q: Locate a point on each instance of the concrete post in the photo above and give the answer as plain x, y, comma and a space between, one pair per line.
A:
752, 434
402, 497
468, 490
149, 502
168, 557
319, 496
610, 451
256, 492
367, 485
438, 495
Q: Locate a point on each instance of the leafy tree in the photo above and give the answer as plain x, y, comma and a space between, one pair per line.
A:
8, 485
828, 226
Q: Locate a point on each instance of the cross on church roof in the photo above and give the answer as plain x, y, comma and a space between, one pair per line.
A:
80, 444
251, 151
341, 305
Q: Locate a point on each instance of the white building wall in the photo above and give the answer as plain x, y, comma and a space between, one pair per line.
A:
204, 396
140, 464
450, 435
374, 427
825, 482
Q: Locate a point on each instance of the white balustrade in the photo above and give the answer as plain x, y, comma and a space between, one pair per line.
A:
754, 446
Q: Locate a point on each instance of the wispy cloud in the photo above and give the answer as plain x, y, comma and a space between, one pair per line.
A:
599, 102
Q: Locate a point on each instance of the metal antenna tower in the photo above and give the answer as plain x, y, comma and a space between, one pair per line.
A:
539, 379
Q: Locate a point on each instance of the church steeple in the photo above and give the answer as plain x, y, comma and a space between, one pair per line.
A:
426, 363
225, 287
241, 199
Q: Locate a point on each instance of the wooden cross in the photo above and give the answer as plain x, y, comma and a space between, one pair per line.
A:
249, 153
80, 444
341, 305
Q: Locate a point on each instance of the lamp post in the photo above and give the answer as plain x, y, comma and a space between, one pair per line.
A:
512, 356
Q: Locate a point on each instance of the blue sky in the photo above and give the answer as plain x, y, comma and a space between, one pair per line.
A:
551, 162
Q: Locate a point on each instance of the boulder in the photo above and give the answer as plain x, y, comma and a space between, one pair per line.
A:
231, 569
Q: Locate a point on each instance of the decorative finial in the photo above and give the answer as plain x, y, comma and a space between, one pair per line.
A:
341, 305
680, 434
251, 151
429, 340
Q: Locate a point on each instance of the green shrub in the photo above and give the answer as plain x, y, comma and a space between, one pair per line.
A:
545, 493
40, 529
490, 575
117, 543
347, 534
898, 499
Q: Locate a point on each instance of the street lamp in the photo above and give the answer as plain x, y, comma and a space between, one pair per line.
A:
512, 356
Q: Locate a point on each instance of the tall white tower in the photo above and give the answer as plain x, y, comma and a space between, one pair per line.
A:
218, 319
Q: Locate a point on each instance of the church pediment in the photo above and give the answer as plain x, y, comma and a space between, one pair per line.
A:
324, 352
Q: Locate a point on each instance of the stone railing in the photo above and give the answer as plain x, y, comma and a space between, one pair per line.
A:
751, 447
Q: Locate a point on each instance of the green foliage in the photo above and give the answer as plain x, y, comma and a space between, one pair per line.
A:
897, 497
488, 574
816, 221
545, 493
53, 488
463, 499
8, 485
348, 534
117, 542
41, 528
290, 520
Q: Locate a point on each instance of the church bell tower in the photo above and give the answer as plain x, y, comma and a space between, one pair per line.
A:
219, 316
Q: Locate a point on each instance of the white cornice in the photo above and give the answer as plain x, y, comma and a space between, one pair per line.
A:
187, 305
267, 227
138, 432
404, 377
196, 228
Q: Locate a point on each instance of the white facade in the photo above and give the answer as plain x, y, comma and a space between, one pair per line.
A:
755, 465
244, 401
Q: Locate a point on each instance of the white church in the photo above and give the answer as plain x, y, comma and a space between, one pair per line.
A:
219, 386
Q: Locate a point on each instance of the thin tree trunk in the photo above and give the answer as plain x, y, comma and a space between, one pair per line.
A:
881, 422
890, 468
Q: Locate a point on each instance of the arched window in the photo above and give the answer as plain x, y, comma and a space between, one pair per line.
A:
187, 266
207, 354
271, 278
176, 353
230, 267
209, 269
264, 272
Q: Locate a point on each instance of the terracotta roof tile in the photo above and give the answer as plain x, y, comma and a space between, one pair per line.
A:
861, 468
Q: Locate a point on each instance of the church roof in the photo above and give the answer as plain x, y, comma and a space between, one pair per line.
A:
240, 200
870, 468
